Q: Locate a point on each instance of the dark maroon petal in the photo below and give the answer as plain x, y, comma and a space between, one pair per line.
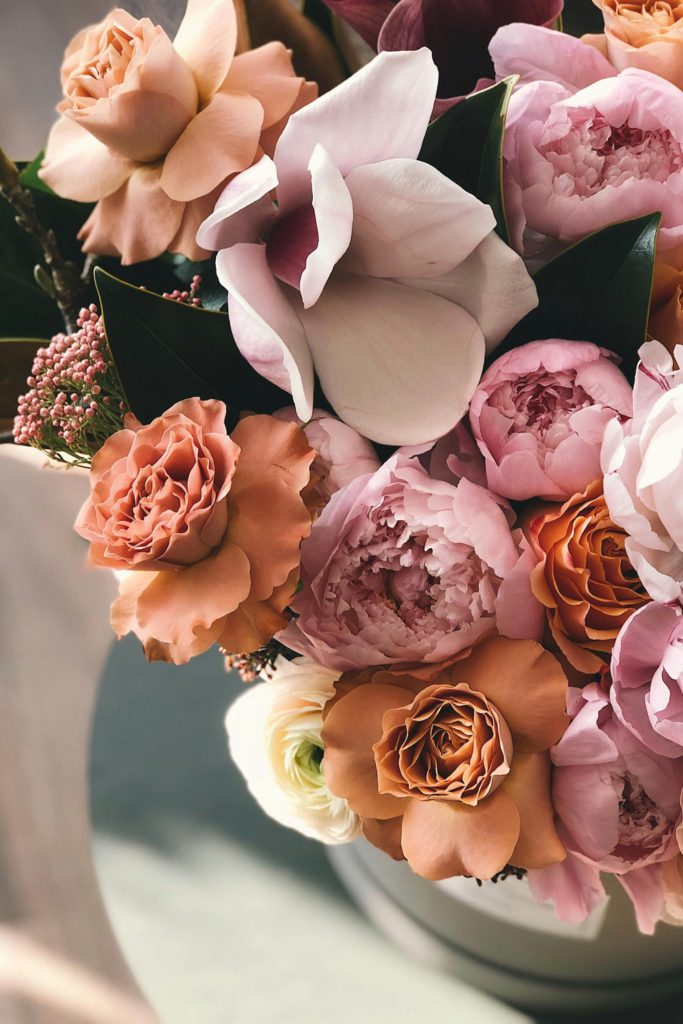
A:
365, 16
458, 33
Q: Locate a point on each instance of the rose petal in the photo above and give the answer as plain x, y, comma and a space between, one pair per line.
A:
206, 42
78, 166
266, 73
528, 784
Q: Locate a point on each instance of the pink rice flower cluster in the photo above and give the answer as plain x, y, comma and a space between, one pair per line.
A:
75, 399
191, 297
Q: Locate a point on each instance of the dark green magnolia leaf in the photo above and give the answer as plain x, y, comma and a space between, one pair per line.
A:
166, 351
599, 291
16, 360
466, 144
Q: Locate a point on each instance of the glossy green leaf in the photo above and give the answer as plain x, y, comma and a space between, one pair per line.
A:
466, 144
166, 351
599, 291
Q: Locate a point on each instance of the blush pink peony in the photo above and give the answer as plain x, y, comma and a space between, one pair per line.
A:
643, 466
402, 567
209, 524
372, 266
617, 804
584, 147
152, 129
539, 415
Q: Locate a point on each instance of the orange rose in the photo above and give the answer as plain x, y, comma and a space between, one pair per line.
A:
210, 524
152, 129
448, 764
584, 578
646, 35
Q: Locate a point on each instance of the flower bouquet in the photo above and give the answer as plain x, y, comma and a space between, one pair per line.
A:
377, 380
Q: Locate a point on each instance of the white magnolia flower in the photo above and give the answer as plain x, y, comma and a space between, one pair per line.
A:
274, 738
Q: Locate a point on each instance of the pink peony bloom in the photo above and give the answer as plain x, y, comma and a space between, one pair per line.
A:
617, 805
152, 129
342, 454
539, 415
456, 31
583, 147
643, 466
647, 674
400, 567
373, 267
454, 456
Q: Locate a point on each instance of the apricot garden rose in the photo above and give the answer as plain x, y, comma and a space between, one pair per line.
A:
151, 129
644, 34
447, 764
209, 524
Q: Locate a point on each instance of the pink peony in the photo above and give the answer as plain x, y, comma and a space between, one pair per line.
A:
342, 454
643, 466
647, 673
400, 567
539, 415
372, 267
583, 147
152, 129
617, 805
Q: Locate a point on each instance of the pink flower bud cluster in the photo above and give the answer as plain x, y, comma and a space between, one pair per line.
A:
191, 298
75, 401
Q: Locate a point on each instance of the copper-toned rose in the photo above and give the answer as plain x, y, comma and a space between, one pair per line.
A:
210, 524
584, 577
448, 764
666, 307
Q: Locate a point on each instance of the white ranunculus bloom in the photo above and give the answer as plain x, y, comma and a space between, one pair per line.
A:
274, 738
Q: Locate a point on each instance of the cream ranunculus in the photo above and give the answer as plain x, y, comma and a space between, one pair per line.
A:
274, 738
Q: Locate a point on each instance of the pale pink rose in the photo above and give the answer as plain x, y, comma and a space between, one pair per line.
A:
342, 454
372, 267
643, 465
539, 415
617, 803
400, 567
209, 524
152, 129
647, 674
576, 161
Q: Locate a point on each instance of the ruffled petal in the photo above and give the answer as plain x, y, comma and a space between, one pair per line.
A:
206, 42
266, 73
380, 112
540, 54
78, 166
420, 347
266, 328
221, 140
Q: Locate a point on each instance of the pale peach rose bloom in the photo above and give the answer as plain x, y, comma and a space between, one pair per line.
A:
210, 524
584, 577
152, 129
647, 35
666, 308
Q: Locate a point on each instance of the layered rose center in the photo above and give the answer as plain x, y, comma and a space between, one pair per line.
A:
292, 239
451, 743
655, 13
588, 153
106, 68
541, 404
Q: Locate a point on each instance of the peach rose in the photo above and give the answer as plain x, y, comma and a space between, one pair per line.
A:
646, 35
152, 129
210, 524
666, 307
584, 577
448, 764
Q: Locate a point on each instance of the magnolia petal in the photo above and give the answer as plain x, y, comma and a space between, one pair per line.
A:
444, 838
138, 221
528, 784
243, 208
409, 220
540, 54
334, 217
419, 346
380, 112
78, 166
206, 42
266, 328
492, 284
366, 17
266, 73
221, 140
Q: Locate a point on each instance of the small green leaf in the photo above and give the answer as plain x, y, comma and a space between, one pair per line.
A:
466, 144
29, 176
16, 360
599, 291
166, 351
